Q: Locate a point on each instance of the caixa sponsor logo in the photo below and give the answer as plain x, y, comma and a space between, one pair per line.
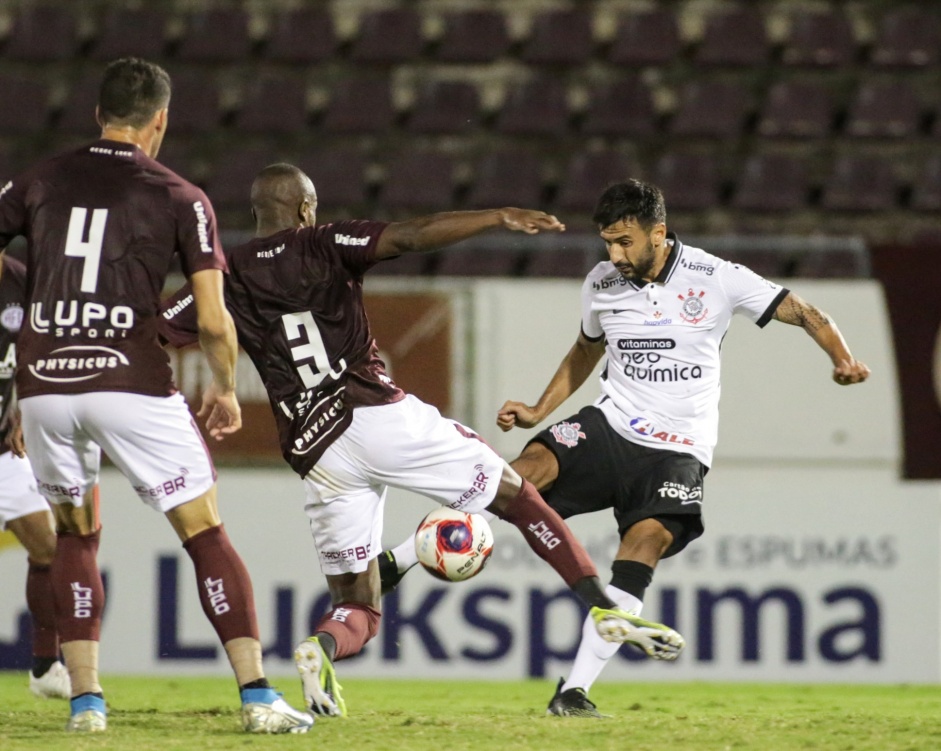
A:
77, 363
90, 319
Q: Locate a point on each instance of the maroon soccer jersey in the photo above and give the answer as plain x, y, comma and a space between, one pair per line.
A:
297, 301
103, 223
12, 294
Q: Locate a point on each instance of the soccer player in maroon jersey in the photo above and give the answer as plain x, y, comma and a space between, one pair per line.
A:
23, 510
295, 293
103, 223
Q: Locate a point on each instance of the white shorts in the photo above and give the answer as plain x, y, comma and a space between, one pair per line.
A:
404, 445
18, 493
151, 439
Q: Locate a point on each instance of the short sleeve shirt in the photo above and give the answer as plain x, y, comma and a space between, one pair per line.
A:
660, 386
12, 294
297, 301
102, 224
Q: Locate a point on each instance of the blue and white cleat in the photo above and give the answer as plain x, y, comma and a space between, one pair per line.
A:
89, 715
264, 711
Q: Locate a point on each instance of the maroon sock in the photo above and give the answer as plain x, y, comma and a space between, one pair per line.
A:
351, 625
548, 536
76, 587
42, 608
225, 588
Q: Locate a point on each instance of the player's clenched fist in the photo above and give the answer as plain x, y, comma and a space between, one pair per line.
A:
850, 371
516, 415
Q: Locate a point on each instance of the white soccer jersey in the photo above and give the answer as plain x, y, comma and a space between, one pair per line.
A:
660, 385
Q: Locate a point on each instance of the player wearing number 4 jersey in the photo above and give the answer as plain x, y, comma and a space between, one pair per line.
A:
658, 310
295, 292
103, 224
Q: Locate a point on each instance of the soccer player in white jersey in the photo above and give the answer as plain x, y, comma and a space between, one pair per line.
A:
658, 310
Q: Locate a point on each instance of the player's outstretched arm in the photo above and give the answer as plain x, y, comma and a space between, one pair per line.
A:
440, 230
572, 372
219, 343
823, 330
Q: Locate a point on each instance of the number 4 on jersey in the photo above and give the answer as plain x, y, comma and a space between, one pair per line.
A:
77, 247
315, 350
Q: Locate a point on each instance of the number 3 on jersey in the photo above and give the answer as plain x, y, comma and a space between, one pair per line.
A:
77, 247
314, 349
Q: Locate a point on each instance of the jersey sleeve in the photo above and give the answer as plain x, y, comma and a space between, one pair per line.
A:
591, 323
354, 242
197, 236
12, 208
177, 323
750, 294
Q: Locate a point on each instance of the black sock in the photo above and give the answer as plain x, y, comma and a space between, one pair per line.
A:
90, 693
41, 665
632, 577
328, 644
591, 592
260, 683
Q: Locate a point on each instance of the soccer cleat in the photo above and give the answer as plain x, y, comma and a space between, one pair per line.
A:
264, 711
618, 626
89, 715
53, 684
319, 680
572, 703
389, 576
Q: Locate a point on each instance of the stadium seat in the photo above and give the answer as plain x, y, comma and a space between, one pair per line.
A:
194, 104
559, 37
506, 178
772, 182
646, 38
218, 35
25, 103
176, 154
907, 37
860, 183
125, 32
832, 264
926, 190
797, 109
445, 107
231, 176
460, 261
419, 180
710, 109
624, 108
78, 110
587, 175
360, 105
734, 38
302, 36
563, 262
392, 35
473, 36
537, 107
887, 109
822, 39
689, 181
338, 175
42, 33
766, 262
273, 104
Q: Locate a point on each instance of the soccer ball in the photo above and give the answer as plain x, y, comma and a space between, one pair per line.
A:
452, 545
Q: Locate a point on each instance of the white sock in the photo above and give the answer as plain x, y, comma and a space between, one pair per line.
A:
593, 651
405, 555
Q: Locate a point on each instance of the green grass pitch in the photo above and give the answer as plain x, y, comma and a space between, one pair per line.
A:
159, 714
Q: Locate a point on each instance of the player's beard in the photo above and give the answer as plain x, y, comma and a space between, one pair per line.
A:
636, 272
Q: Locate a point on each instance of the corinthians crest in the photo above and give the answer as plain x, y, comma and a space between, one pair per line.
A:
568, 433
694, 309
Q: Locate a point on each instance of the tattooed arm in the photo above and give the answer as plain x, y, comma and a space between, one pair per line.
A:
797, 312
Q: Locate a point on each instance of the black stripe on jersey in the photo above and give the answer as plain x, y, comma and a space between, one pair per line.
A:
672, 261
766, 316
592, 338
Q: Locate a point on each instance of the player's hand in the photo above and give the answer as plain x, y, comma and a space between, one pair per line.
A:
516, 415
849, 372
221, 410
531, 222
15, 435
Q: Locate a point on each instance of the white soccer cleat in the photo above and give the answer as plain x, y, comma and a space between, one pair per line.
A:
318, 679
264, 711
53, 684
618, 626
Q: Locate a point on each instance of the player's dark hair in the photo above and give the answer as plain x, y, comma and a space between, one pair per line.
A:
633, 199
132, 92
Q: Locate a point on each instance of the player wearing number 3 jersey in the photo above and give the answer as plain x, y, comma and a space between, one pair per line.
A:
295, 292
104, 223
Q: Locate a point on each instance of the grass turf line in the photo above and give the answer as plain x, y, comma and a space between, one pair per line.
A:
159, 714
